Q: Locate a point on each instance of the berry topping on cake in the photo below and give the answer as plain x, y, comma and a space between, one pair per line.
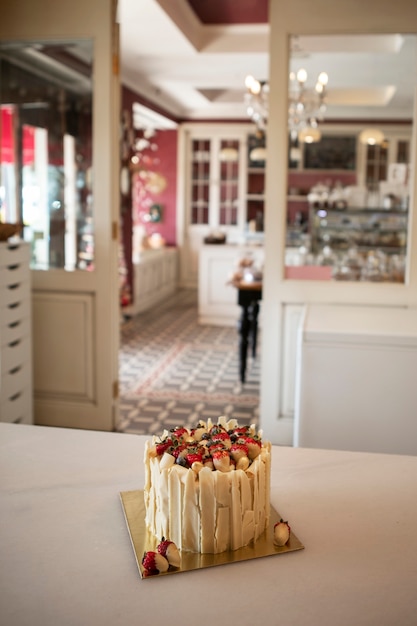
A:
169, 550
254, 447
193, 456
163, 446
221, 437
221, 460
282, 531
154, 562
209, 445
180, 433
198, 432
238, 450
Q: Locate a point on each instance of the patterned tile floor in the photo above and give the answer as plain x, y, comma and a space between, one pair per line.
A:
174, 371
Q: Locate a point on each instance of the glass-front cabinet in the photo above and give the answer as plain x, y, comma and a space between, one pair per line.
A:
213, 204
215, 193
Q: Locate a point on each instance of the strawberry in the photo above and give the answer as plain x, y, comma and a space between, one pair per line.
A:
154, 563
238, 450
169, 550
180, 433
282, 531
198, 431
240, 431
221, 437
254, 447
215, 447
193, 457
163, 446
208, 462
221, 460
177, 449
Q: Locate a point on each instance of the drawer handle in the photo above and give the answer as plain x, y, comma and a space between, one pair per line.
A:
14, 286
13, 267
13, 305
15, 370
13, 344
14, 324
15, 397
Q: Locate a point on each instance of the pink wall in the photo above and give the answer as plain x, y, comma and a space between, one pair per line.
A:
163, 162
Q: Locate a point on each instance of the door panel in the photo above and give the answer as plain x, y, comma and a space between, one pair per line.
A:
63, 346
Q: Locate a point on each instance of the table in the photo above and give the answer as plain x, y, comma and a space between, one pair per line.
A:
66, 557
248, 297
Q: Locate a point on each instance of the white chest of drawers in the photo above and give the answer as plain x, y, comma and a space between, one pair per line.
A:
16, 395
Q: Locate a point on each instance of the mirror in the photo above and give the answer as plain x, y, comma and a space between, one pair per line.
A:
46, 149
349, 181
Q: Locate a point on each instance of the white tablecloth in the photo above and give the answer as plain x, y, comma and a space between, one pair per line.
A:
66, 557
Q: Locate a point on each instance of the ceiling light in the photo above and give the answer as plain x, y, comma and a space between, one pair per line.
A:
306, 107
229, 154
371, 136
309, 135
258, 154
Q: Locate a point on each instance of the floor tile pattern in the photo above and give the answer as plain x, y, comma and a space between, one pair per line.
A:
174, 371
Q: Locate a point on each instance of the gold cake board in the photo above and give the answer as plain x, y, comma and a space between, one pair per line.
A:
143, 541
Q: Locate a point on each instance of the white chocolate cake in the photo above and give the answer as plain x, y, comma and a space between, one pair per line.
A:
208, 489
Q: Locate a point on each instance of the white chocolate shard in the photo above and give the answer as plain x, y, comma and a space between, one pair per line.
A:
207, 509
191, 515
175, 508
166, 461
236, 518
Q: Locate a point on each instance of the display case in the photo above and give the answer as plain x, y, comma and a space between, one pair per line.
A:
364, 228
360, 244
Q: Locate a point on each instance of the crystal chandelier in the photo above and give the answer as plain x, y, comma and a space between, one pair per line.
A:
306, 107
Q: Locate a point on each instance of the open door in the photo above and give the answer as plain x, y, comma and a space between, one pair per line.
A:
60, 88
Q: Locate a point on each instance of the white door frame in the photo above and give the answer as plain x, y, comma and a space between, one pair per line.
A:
315, 17
76, 314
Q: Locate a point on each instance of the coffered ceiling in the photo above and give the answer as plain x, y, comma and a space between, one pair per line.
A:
191, 57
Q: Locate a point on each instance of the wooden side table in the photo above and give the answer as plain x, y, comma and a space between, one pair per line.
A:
248, 297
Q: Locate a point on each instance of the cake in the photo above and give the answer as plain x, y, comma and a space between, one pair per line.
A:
208, 489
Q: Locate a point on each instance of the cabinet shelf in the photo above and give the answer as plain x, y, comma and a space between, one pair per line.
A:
361, 211
255, 196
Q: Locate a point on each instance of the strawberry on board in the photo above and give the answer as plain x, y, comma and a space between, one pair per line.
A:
282, 531
154, 563
169, 550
